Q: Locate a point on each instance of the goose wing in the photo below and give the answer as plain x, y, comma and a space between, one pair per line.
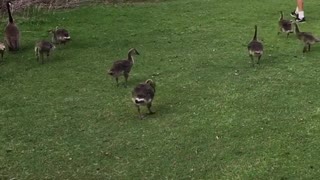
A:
255, 46
121, 65
286, 25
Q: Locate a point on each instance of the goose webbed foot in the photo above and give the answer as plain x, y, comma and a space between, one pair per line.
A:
140, 115
151, 112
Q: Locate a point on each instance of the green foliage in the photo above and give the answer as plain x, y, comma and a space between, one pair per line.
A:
216, 116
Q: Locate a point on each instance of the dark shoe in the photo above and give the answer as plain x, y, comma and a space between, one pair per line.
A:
300, 20
293, 14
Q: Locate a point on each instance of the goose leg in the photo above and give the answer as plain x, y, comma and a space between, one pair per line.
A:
117, 80
304, 49
149, 108
309, 47
140, 116
126, 75
252, 61
259, 59
48, 55
42, 58
280, 30
37, 56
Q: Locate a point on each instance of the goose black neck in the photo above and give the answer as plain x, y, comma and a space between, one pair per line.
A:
153, 87
281, 15
151, 84
255, 33
129, 55
9, 13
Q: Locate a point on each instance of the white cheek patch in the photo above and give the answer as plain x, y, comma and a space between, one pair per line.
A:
134, 100
67, 37
132, 59
287, 31
258, 52
140, 99
255, 52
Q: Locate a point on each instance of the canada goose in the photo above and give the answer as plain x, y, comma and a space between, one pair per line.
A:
143, 94
120, 67
12, 34
255, 47
60, 36
2, 49
285, 26
306, 38
42, 47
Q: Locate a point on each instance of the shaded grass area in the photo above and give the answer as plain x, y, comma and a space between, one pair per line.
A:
217, 118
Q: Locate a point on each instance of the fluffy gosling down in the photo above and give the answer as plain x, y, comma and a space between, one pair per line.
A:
306, 38
11, 32
285, 26
60, 36
255, 47
143, 94
120, 67
43, 47
2, 49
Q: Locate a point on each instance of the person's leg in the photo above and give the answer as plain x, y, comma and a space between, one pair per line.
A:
300, 5
300, 9
295, 12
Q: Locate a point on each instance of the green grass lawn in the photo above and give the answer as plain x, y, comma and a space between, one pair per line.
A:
216, 116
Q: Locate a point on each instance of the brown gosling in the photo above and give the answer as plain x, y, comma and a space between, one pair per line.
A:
60, 36
306, 38
285, 26
143, 94
120, 67
12, 33
255, 47
43, 47
2, 49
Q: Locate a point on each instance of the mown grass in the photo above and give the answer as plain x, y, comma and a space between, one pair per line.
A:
217, 117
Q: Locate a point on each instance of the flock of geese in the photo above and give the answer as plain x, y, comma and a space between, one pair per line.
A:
255, 47
12, 38
143, 94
